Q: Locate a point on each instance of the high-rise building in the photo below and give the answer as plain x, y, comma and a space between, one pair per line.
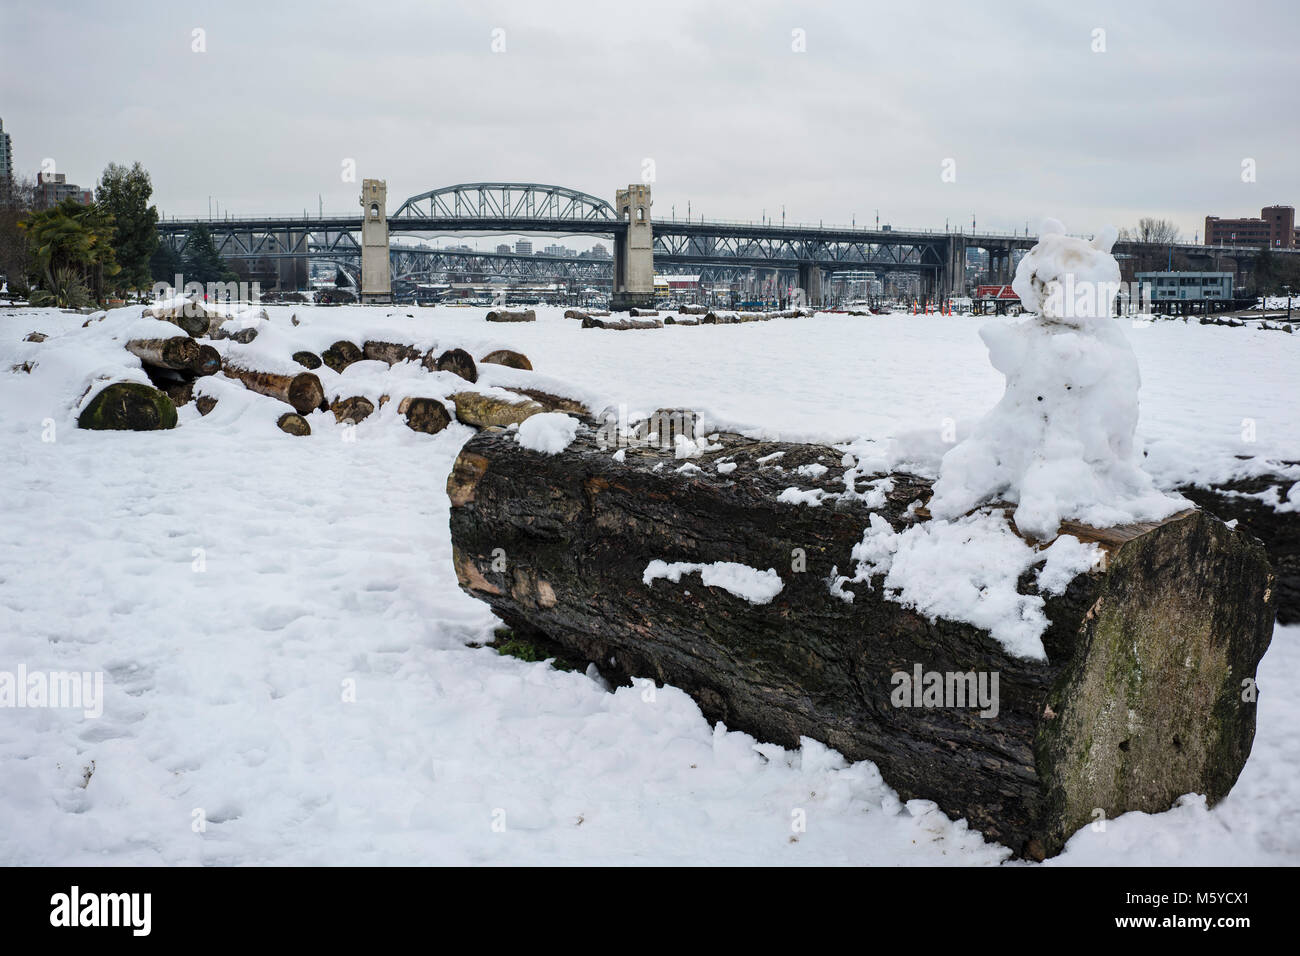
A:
1274, 228
6, 166
53, 188
524, 247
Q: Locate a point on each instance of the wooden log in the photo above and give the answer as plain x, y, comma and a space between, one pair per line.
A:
485, 411
293, 424
205, 404
621, 325
303, 391
341, 354
1139, 701
426, 415
190, 316
457, 361
391, 352
178, 352
508, 358
693, 309
307, 359
506, 315
681, 320
128, 406
635, 313
584, 313
352, 410
208, 361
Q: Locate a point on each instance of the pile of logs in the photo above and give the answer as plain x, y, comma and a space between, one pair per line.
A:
1147, 692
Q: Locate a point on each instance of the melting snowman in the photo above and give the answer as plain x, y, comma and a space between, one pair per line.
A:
1061, 443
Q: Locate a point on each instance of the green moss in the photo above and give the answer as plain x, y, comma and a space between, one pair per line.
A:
128, 406
534, 650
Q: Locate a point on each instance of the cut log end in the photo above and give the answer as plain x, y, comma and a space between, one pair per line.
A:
128, 406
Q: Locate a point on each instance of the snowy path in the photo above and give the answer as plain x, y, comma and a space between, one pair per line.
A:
326, 561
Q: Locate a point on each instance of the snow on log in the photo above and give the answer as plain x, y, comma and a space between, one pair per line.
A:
508, 358
183, 313
505, 315
303, 391
583, 313
128, 406
1142, 689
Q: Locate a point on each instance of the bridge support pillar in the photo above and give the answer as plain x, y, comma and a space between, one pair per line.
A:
954, 283
291, 272
376, 278
810, 280
634, 268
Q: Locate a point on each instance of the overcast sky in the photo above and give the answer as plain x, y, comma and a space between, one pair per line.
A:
735, 121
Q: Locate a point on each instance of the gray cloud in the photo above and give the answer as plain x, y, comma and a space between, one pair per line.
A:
735, 121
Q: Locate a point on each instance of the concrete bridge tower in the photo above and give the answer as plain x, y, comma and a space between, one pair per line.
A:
634, 265
376, 282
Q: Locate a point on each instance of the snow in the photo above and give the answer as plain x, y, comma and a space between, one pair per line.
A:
755, 586
1060, 443
326, 561
549, 433
966, 570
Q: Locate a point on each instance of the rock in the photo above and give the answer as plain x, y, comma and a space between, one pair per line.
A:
128, 406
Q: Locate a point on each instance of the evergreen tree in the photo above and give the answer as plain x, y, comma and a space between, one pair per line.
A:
202, 261
125, 194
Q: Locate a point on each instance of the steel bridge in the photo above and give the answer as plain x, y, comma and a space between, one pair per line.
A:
711, 248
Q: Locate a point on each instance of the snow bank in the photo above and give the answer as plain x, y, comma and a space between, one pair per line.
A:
755, 586
1061, 441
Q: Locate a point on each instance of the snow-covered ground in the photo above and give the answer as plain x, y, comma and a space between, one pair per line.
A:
288, 670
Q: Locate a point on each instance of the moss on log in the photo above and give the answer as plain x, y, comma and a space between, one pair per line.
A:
128, 406
1145, 694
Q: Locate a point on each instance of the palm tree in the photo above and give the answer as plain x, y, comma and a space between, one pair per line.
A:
72, 240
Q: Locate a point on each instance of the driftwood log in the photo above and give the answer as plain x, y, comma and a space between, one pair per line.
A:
391, 352
426, 415
342, 354
303, 391
506, 315
457, 361
509, 358
178, 352
294, 424
1146, 693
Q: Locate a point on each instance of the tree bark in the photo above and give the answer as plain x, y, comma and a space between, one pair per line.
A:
391, 352
1139, 702
303, 391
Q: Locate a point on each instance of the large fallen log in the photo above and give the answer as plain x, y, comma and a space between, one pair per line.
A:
391, 352
486, 411
506, 315
1146, 693
303, 391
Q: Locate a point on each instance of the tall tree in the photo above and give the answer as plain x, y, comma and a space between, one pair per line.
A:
125, 194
